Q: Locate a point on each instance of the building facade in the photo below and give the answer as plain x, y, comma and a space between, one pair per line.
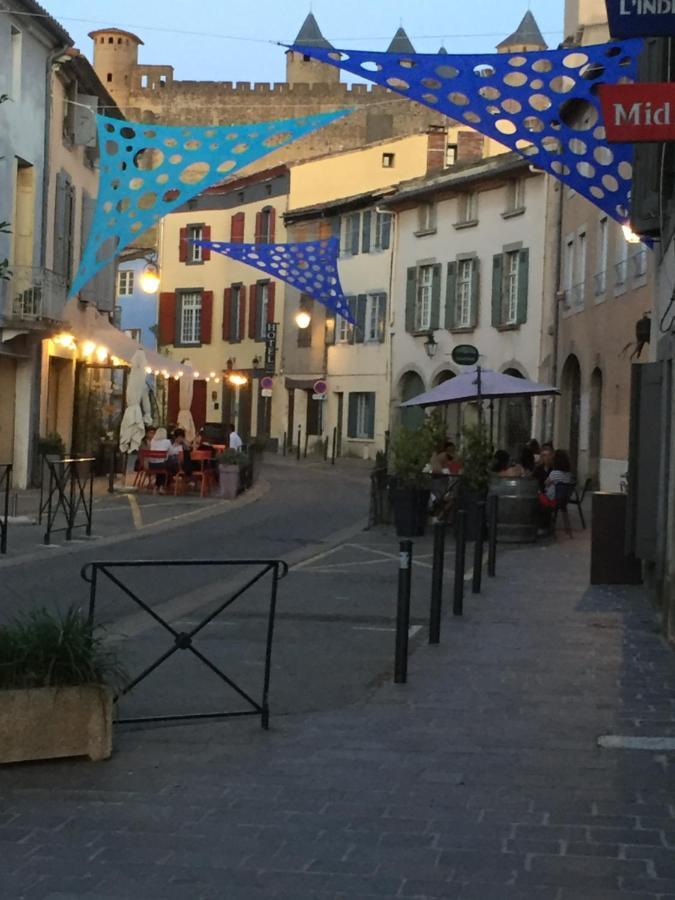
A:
136, 310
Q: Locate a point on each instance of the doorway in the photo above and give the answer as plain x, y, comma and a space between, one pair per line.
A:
571, 407
595, 434
411, 385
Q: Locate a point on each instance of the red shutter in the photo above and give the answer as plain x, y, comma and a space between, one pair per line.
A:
227, 313
252, 309
258, 228
183, 245
198, 408
206, 317
237, 228
271, 289
273, 216
242, 313
206, 236
167, 318
172, 405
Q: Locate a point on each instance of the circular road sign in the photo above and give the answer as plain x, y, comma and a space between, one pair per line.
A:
465, 355
320, 387
267, 383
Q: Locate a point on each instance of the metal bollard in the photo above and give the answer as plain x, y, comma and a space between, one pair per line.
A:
478, 551
297, 451
325, 449
460, 562
332, 461
493, 520
437, 584
306, 442
285, 444
403, 612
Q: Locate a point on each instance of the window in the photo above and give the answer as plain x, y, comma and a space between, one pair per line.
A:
265, 225
510, 287
374, 318
451, 155
263, 302
515, 195
423, 304
236, 313
383, 231
510, 310
125, 283
621, 265
352, 229
569, 268
464, 294
16, 55
601, 274
195, 252
345, 330
639, 261
579, 287
190, 318
361, 424
388, 160
468, 208
426, 218
108, 77
117, 316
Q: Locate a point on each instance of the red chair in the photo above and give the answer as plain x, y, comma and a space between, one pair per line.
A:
146, 475
205, 474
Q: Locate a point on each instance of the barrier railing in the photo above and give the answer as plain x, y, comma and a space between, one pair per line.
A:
184, 640
70, 491
5, 487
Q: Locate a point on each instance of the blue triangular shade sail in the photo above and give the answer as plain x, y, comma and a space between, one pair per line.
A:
310, 266
543, 104
149, 170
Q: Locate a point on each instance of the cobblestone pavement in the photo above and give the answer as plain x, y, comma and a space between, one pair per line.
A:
481, 779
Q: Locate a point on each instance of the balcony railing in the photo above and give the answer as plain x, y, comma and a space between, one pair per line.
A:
620, 273
578, 297
639, 263
32, 294
600, 283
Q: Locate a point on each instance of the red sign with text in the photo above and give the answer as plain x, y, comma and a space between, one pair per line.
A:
638, 112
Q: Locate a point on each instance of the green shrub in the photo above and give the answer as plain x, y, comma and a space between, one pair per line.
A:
51, 445
411, 450
232, 458
477, 457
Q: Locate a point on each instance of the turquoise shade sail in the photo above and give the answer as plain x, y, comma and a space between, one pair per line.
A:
542, 104
146, 171
309, 266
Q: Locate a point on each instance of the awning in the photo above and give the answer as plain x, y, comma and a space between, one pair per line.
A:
87, 324
302, 384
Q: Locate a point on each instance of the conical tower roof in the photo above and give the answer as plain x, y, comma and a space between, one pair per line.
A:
400, 43
310, 34
527, 34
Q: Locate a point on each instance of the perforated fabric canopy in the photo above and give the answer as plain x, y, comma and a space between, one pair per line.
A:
149, 170
310, 266
543, 104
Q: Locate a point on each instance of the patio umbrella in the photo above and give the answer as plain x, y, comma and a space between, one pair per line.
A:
493, 386
185, 390
132, 429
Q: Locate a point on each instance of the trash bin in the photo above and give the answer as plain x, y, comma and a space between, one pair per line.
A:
610, 564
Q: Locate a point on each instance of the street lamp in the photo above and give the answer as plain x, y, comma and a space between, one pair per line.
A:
430, 345
303, 319
150, 278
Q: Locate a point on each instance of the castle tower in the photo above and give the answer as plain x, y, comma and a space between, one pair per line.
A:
400, 43
302, 69
115, 59
526, 37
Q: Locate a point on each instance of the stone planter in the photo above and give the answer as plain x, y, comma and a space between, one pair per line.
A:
53, 722
228, 481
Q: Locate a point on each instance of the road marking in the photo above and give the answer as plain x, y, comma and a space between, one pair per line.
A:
322, 555
624, 742
335, 567
387, 555
135, 511
412, 631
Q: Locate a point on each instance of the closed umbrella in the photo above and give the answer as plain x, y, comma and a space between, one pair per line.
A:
185, 420
483, 384
132, 429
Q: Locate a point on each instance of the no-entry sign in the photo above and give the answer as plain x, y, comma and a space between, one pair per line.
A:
638, 112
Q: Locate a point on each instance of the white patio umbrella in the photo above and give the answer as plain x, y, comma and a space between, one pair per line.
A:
481, 384
185, 390
132, 429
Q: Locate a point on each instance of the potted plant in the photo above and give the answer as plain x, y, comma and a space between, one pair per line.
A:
55, 694
477, 456
411, 451
230, 464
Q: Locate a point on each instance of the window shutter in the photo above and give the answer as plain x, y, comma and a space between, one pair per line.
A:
410, 299
183, 245
258, 228
451, 297
271, 291
242, 314
273, 224
59, 224
361, 304
370, 415
436, 297
351, 302
386, 231
227, 313
352, 415
497, 288
84, 120
523, 285
365, 238
237, 225
330, 331
258, 330
475, 292
381, 316
355, 220
167, 318
252, 308
206, 318
206, 236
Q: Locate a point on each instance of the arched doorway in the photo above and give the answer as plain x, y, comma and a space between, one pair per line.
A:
411, 385
515, 421
570, 385
451, 412
595, 433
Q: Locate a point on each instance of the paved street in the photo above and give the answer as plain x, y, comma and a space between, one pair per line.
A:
482, 778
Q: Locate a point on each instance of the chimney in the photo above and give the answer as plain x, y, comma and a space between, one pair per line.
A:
469, 146
436, 147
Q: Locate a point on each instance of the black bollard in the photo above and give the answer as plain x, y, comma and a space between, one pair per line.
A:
332, 461
460, 562
306, 442
403, 612
478, 550
493, 519
284, 444
437, 584
297, 451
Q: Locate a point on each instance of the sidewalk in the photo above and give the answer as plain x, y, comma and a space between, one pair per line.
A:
481, 779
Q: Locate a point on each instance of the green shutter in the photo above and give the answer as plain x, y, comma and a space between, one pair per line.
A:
497, 288
370, 414
365, 237
386, 231
475, 292
361, 305
436, 297
381, 316
330, 331
523, 284
410, 299
450, 297
351, 417
355, 226
59, 261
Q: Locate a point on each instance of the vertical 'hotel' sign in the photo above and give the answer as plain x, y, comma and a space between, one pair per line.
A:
641, 18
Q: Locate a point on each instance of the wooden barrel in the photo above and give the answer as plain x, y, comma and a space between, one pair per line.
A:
518, 509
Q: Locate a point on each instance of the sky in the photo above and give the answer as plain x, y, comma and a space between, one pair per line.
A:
228, 41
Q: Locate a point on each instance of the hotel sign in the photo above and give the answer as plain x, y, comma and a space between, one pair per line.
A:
638, 112
641, 18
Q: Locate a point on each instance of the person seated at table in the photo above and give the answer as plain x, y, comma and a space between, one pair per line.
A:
201, 444
160, 442
179, 453
234, 441
560, 474
545, 464
535, 447
441, 459
145, 445
527, 461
